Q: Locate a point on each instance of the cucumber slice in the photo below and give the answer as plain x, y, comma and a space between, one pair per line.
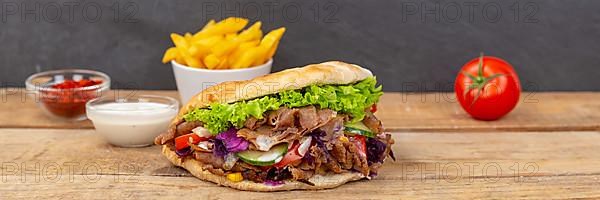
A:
358, 128
358, 125
353, 131
264, 158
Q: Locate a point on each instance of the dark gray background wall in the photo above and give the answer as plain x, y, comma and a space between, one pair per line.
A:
553, 44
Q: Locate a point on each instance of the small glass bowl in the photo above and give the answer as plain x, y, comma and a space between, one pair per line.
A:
132, 121
66, 104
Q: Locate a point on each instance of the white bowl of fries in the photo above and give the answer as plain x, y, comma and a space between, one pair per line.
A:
190, 81
221, 51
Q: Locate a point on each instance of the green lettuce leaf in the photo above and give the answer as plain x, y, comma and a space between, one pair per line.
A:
351, 99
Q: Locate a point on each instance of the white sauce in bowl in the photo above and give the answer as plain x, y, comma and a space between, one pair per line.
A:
131, 124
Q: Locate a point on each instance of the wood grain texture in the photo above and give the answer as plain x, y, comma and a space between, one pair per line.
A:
19, 109
156, 187
556, 111
67, 163
552, 111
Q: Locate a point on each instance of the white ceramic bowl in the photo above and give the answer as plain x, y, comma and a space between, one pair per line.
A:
132, 121
190, 81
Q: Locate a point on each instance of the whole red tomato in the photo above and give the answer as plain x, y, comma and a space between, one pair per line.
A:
487, 88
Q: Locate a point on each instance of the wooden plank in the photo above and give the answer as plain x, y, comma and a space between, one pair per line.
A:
550, 111
553, 153
153, 187
554, 111
20, 109
438, 165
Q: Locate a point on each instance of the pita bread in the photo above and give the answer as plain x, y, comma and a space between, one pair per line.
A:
333, 72
197, 169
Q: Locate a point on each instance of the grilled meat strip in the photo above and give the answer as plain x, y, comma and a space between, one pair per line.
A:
181, 128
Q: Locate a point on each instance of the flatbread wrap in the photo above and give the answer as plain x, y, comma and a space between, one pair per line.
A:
303, 128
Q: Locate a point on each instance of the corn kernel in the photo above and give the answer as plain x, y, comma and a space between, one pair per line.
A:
343, 139
235, 177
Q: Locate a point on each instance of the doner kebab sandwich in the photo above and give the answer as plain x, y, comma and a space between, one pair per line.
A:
302, 128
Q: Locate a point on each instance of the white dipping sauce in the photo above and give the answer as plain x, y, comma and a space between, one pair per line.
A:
131, 124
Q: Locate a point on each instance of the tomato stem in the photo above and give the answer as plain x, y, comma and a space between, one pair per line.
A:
479, 81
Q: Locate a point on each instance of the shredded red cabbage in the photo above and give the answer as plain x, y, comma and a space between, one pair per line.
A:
317, 135
375, 150
183, 152
308, 158
318, 138
228, 142
219, 148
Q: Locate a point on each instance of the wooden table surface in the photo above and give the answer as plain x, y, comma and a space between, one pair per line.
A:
548, 147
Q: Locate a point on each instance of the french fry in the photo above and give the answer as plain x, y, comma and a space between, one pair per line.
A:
224, 45
224, 63
209, 42
197, 50
224, 27
200, 62
232, 41
202, 47
272, 37
170, 54
230, 25
182, 48
260, 54
181, 44
270, 41
179, 41
188, 37
265, 54
230, 36
272, 51
212, 61
193, 62
240, 50
179, 59
247, 58
202, 32
252, 33
210, 23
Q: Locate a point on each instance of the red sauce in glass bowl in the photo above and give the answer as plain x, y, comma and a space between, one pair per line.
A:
69, 101
71, 84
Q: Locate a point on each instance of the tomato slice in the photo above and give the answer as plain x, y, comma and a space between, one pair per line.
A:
361, 142
374, 108
291, 156
184, 141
